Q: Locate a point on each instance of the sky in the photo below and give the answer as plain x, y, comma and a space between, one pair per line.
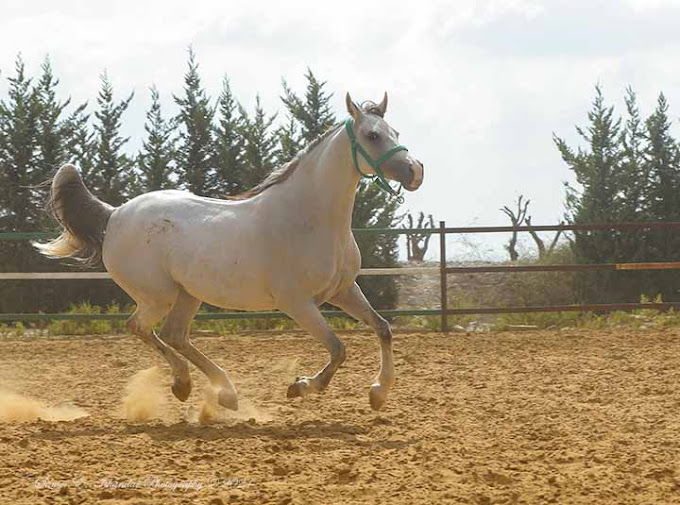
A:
476, 88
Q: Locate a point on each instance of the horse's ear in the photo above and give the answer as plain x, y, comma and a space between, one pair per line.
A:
383, 105
352, 108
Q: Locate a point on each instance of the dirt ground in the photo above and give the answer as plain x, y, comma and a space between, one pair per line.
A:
535, 417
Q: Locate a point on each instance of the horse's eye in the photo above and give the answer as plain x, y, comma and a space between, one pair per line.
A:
372, 135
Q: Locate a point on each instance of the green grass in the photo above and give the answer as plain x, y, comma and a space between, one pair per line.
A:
641, 319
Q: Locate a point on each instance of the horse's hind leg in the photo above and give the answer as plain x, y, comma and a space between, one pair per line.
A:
141, 323
175, 332
353, 301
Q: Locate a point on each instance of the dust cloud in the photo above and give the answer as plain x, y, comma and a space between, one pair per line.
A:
144, 395
18, 408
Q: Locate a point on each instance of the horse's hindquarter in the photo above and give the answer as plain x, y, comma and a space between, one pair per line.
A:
165, 239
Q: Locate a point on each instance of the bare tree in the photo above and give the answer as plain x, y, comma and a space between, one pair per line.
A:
516, 218
417, 243
542, 251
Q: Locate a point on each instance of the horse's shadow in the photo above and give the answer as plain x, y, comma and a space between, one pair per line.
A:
184, 431
209, 432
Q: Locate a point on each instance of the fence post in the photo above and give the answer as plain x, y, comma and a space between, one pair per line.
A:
442, 277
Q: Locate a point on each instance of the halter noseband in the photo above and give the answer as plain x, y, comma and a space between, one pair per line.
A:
378, 177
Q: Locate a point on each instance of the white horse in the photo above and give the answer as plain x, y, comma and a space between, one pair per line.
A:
286, 244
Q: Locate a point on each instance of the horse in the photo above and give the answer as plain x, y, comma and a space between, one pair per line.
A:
286, 245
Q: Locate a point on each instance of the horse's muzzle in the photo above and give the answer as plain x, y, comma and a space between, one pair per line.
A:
417, 170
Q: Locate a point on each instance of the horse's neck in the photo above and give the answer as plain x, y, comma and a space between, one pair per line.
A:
324, 184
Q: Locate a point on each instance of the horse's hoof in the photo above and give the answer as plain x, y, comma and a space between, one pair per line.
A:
377, 396
181, 388
298, 388
293, 390
227, 399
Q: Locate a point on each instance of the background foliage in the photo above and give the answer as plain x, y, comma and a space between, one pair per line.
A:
212, 147
628, 170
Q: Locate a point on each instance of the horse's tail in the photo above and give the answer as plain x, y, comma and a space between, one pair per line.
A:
82, 216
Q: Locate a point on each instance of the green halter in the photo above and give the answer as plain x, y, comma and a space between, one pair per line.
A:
378, 177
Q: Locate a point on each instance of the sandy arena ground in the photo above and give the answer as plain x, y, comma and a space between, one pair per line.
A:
535, 417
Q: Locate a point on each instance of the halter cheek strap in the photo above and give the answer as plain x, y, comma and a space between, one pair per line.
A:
378, 177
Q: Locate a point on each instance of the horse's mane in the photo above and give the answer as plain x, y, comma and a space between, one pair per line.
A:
282, 173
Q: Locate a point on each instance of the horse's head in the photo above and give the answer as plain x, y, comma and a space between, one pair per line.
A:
375, 146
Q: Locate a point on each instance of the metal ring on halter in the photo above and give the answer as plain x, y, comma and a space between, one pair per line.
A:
379, 176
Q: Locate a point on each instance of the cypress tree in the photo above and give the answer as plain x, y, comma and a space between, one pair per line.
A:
634, 175
313, 112
195, 151
599, 198
260, 145
113, 178
662, 159
80, 144
663, 166
289, 140
52, 127
21, 207
19, 149
158, 150
229, 144
632, 245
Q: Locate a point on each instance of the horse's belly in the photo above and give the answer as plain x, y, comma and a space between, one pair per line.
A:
333, 286
229, 288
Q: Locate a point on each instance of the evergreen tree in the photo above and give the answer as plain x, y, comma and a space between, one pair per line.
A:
260, 145
229, 144
599, 198
21, 203
80, 144
632, 245
19, 149
597, 169
158, 150
53, 129
289, 140
114, 178
634, 175
313, 112
662, 159
663, 166
195, 152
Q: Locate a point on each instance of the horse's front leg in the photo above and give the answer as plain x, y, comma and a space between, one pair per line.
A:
353, 301
308, 316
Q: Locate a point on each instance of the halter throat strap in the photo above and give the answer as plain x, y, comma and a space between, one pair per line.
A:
378, 177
